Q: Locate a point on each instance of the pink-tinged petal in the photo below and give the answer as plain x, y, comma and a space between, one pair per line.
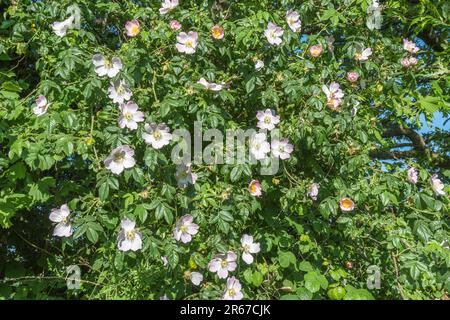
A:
136, 244
187, 219
247, 257
131, 106
98, 60
182, 37
55, 215
132, 125
222, 273
117, 63
177, 234
196, 278
127, 224
192, 229
214, 265
62, 230
122, 122
64, 210
255, 248
129, 162
101, 71
138, 116
232, 266
193, 35
231, 256
125, 245
246, 239
239, 296
181, 47
41, 101
186, 237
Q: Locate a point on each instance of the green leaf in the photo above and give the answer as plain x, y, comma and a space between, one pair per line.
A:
286, 259
257, 279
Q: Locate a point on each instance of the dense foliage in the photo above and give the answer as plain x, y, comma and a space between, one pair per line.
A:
334, 211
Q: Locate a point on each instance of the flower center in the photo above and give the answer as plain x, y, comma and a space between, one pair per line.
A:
224, 263
246, 247
189, 43
216, 33
134, 29
257, 146
130, 235
65, 220
253, 188
347, 204
128, 116
157, 135
183, 229
358, 56
231, 292
108, 64
267, 119
119, 156
120, 90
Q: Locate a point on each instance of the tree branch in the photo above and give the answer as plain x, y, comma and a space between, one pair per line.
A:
419, 148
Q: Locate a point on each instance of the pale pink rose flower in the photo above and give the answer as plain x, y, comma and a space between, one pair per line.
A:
259, 64
120, 158
410, 46
259, 147
157, 135
346, 204
187, 42
133, 28
249, 247
104, 66
211, 85
437, 185
175, 25
233, 290
41, 106
60, 27
273, 34
61, 217
129, 238
315, 50
313, 191
352, 76
334, 95
413, 175
217, 32
405, 62
129, 115
267, 119
282, 148
363, 55
185, 229
223, 263
168, 5
119, 91
293, 20
255, 188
